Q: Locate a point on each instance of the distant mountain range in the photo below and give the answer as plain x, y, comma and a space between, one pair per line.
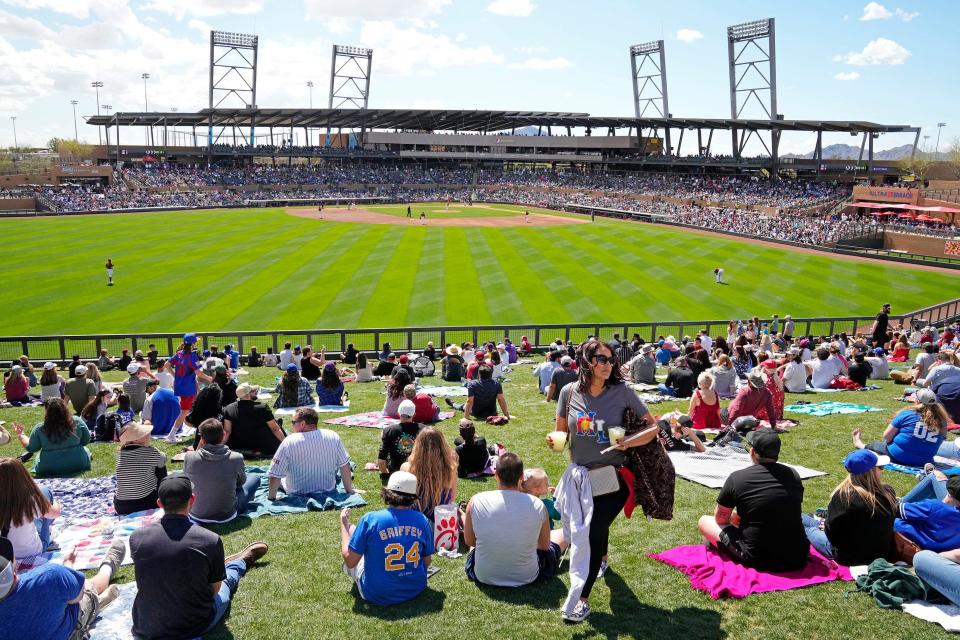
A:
850, 152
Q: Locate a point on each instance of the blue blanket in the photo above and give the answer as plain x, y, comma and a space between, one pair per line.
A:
263, 506
82, 498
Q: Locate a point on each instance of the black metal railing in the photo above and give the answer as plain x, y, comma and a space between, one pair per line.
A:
407, 339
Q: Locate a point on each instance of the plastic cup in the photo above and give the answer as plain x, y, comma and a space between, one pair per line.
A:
559, 440
616, 433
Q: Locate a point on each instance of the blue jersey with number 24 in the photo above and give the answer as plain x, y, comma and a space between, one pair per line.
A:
394, 544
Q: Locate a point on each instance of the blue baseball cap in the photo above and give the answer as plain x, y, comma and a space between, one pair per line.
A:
879, 351
293, 367
862, 460
190, 338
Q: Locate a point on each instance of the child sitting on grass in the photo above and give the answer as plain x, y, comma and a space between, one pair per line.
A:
536, 483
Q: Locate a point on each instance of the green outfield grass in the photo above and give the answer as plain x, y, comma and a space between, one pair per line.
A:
436, 210
299, 591
257, 269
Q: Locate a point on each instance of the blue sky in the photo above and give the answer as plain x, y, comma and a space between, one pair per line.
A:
888, 62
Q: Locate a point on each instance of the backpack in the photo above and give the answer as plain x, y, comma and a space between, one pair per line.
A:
108, 428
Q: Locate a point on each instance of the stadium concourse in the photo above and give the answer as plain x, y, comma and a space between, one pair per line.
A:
797, 210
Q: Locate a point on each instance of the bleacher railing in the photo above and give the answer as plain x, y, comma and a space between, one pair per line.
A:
406, 339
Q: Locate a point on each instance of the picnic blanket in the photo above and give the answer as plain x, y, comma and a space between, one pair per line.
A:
945, 615
712, 467
186, 431
92, 538
642, 386
323, 501
869, 387
828, 408
654, 398
442, 391
713, 572
115, 621
949, 466
319, 408
32, 403
82, 498
374, 420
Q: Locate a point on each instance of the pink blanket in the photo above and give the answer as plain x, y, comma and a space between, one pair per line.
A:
718, 575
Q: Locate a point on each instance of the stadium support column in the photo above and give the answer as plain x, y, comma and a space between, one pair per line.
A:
233, 77
650, 84
350, 77
753, 80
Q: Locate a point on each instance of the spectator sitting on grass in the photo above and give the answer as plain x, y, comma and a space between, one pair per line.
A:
140, 468
396, 441
680, 382
388, 551
643, 366
292, 390
51, 384
386, 366
914, 435
483, 396
750, 400
221, 486
560, 377
427, 409
453, 368
105, 362
307, 461
250, 425
932, 522
860, 370
545, 369
824, 369
135, 386
329, 386
473, 457
537, 484
59, 441
254, 359
434, 464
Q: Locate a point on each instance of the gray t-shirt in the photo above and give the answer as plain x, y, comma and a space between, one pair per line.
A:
507, 525
136, 388
588, 419
923, 362
643, 369
217, 473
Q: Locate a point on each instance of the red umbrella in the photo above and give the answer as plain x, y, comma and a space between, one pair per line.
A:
906, 215
925, 218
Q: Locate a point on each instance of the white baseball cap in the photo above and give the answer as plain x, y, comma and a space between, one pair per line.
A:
49, 366
81, 370
133, 368
406, 409
403, 482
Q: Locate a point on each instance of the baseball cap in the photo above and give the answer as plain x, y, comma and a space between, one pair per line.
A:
404, 359
406, 409
886, 305
926, 397
403, 482
479, 353
862, 460
175, 489
132, 368
16, 369
245, 389
744, 424
292, 367
769, 364
49, 366
190, 338
765, 442
879, 351
684, 420
330, 366
566, 361
81, 370
793, 351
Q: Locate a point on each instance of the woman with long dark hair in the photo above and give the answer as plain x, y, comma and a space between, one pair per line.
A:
227, 384
26, 509
59, 441
293, 390
398, 381
51, 384
364, 370
585, 411
310, 365
206, 405
329, 386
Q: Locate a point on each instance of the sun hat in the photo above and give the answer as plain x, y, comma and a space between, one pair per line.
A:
211, 364
755, 380
132, 368
133, 431
403, 482
765, 442
190, 338
648, 348
49, 366
453, 350
245, 389
406, 409
862, 460
81, 370
926, 397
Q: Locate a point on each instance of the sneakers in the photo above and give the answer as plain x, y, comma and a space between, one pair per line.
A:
250, 554
114, 556
604, 565
108, 596
579, 614
449, 403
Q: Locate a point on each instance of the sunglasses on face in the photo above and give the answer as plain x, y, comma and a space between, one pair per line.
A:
602, 359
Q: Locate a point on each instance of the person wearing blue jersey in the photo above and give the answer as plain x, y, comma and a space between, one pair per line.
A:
388, 551
185, 363
914, 435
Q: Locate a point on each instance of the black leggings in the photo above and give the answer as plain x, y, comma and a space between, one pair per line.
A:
605, 510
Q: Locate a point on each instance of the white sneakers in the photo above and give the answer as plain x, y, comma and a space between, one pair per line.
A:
579, 614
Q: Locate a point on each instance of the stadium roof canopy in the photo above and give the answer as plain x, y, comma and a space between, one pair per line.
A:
462, 120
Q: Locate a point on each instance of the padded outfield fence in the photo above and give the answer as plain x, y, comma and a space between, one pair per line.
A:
405, 339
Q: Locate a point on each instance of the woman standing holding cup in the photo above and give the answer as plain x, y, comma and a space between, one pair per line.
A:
587, 412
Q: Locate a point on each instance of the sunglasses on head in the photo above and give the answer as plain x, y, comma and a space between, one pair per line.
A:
602, 359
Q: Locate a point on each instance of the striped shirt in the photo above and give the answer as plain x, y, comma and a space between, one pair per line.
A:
625, 353
308, 461
138, 471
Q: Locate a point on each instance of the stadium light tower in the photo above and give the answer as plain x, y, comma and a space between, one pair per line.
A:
350, 76
97, 85
13, 119
106, 130
233, 77
652, 91
145, 77
940, 126
76, 137
753, 74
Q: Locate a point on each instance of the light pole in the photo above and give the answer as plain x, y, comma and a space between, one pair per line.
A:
147, 133
926, 144
97, 85
14, 120
107, 108
310, 87
76, 136
940, 125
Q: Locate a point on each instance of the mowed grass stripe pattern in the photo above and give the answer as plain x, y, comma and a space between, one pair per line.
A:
261, 269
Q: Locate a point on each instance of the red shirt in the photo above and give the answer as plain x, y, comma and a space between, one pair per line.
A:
748, 402
16, 390
426, 410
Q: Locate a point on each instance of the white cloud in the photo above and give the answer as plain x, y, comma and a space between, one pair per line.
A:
18, 27
877, 52
516, 8
689, 35
199, 25
372, 9
339, 25
542, 64
204, 8
402, 49
461, 37
74, 8
851, 75
875, 11
531, 50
